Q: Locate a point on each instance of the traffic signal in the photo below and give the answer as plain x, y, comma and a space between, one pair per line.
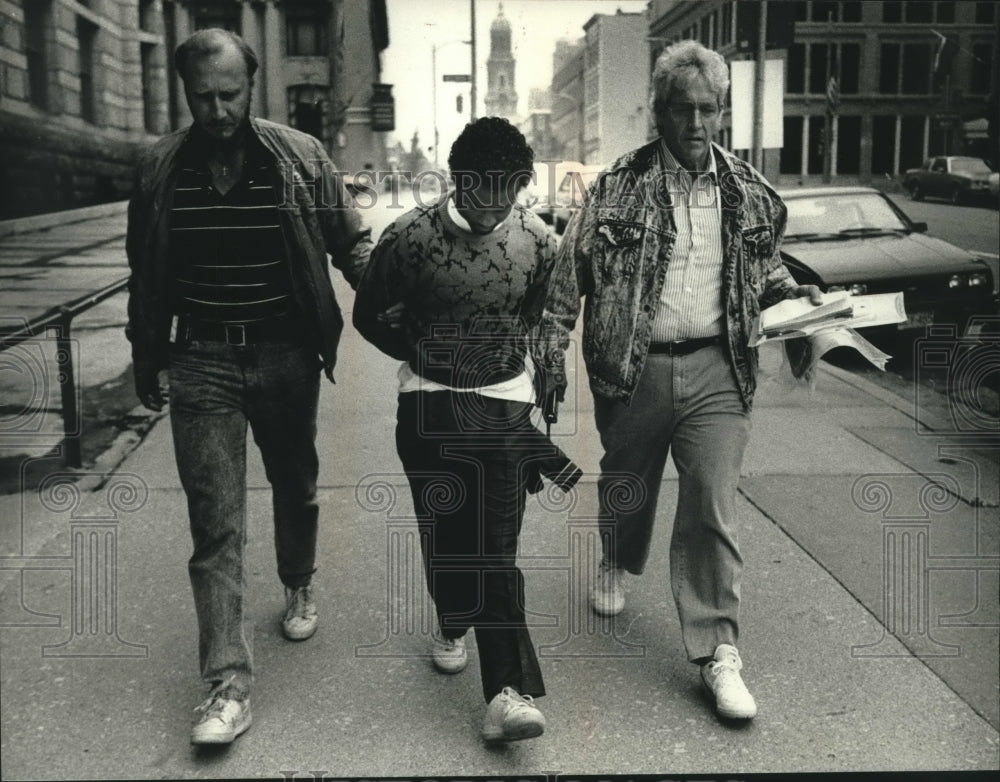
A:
458, 103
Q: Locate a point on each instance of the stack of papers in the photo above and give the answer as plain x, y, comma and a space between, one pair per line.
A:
801, 318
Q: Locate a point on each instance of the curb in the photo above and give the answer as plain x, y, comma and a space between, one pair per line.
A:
41, 222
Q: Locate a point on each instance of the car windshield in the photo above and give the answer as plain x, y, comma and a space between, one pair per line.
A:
969, 166
856, 213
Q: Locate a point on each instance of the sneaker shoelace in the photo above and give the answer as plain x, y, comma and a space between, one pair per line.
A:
300, 602
214, 697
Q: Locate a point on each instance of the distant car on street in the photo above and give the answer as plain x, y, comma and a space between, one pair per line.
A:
571, 193
857, 239
995, 187
956, 178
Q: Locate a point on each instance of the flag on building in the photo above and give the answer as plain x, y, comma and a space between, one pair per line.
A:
832, 96
946, 49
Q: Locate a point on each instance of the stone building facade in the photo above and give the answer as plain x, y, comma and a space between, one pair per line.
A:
84, 84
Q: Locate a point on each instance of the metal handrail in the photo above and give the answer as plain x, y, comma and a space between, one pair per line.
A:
61, 318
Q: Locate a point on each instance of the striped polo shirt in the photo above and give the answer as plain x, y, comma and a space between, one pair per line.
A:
691, 304
227, 251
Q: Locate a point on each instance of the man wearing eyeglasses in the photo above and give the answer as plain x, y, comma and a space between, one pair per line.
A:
676, 252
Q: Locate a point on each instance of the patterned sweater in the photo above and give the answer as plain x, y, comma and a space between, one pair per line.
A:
471, 303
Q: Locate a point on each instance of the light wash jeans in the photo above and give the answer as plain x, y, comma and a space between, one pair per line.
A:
689, 405
215, 391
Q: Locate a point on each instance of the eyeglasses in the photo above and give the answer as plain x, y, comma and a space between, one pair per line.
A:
686, 110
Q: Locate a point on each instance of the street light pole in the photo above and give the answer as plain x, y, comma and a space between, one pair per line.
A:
434, 102
472, 93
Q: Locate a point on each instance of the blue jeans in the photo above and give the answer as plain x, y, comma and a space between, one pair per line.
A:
688, 404
215, 391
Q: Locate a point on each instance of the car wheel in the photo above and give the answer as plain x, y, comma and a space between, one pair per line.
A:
915, 192
956, 196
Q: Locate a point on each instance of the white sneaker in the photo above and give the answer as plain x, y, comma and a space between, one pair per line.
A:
722, 678
511, 716
607, 597
223, 717
301, 617
449, 654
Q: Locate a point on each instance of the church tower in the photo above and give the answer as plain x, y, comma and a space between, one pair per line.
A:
501, 99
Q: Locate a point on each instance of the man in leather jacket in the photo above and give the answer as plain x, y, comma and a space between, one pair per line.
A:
229, 228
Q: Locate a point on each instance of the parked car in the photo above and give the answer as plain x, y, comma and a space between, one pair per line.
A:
953, 177
995, 188
857, 239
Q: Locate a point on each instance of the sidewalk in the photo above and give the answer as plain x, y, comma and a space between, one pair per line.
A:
843, 492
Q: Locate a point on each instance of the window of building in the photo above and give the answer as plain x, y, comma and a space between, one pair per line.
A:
851, 12
888, 75
940, 141
982, 68
911, 142
819, 63
35, 16
883, 144
307, 30
817, 148
848, 144
944, 12
892, 11
850, 68
146, 54
306, 109
147, 19
825, 11
714, 25
791, 152
796, 70
986, 12
919, 11
918, 59
728, 12
86, 34
224, 14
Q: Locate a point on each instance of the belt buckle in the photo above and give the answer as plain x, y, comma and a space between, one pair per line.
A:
238, 329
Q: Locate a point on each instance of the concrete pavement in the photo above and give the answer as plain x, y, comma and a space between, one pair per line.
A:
869, 530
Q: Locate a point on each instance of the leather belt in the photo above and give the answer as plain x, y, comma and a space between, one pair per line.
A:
683, 346
240, 334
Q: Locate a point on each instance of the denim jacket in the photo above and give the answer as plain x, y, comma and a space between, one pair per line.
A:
316, 216
615, 253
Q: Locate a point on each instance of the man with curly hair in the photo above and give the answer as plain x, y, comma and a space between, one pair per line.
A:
676, 252
455, 289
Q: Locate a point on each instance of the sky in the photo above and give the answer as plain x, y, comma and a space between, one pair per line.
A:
417, 26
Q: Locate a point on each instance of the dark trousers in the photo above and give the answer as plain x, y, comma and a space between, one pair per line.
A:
216, 390
465, 463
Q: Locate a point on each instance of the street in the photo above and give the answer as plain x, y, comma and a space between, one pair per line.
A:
836, 481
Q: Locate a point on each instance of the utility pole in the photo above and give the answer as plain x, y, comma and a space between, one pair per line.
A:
757, 156
472, 92
434, 102
828, 116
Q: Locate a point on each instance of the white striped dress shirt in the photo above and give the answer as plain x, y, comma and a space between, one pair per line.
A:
691, 303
